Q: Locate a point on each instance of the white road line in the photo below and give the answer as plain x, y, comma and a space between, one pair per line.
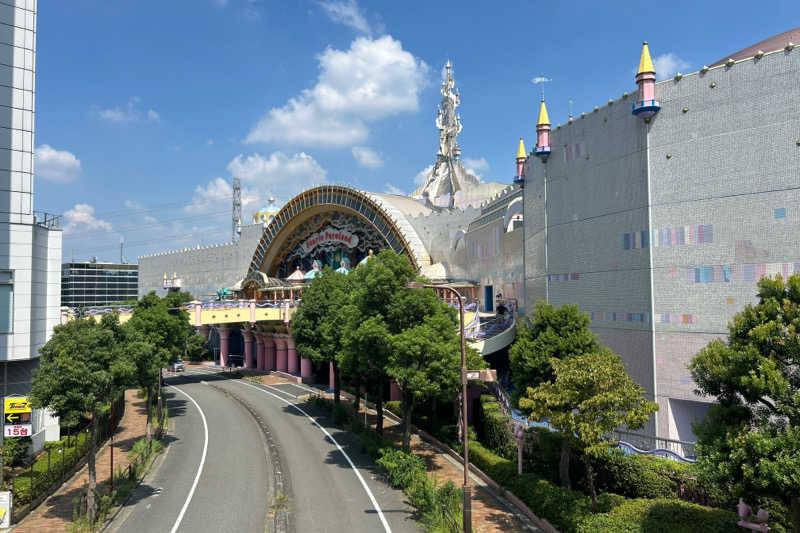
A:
355, 470
199, 468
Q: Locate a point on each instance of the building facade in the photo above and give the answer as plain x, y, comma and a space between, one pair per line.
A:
93, 284
30, 243
660, 226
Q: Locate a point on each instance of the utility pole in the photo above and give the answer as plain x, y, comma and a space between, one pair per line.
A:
237, 209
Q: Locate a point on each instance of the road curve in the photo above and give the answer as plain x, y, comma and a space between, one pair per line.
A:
314, 483
231, 493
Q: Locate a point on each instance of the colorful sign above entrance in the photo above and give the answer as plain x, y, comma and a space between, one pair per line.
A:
328, 236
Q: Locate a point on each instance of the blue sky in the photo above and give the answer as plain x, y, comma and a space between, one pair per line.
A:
144, 110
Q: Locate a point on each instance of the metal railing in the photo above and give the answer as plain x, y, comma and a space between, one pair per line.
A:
47, 220
648, 444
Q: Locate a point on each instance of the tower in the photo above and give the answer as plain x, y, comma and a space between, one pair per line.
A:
542, 149
237, 209
646, 105
520, 162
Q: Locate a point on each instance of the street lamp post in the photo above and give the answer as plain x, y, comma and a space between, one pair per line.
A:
466, 488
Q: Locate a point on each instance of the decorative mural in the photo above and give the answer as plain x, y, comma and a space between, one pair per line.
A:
334, 238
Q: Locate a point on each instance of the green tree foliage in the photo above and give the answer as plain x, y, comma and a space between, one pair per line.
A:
83, 367
318, 325
157, 333
749, 442
196, 347
551, 333
367, 341
589, 396
425, 356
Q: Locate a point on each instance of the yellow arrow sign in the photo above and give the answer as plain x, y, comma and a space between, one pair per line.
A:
16, 404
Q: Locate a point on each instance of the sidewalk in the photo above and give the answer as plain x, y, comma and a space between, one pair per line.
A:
53, 515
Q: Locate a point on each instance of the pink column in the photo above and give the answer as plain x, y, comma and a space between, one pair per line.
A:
224, 333
248, 348
269, 349
259, 351
330, 375
291, 355
280, 353
204, 331
395, 394
305, 369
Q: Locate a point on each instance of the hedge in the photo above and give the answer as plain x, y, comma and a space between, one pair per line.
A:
660, 515
494, 428
571, 511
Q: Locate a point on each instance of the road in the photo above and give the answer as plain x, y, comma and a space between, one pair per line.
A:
270, 465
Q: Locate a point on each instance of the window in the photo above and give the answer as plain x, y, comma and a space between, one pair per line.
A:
6, 301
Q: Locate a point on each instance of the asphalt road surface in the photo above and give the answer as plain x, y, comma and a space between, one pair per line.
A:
271, 464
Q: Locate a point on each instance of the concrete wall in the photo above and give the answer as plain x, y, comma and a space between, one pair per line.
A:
708, 189
203, 270
723, 157
596, 190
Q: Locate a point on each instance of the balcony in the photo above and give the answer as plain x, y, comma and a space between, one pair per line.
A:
645, 108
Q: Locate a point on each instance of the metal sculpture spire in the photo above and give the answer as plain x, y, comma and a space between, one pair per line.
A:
447, 121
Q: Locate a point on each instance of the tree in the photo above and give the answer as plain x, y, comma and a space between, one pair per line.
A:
319, 323
83, 368
590, 396
196, 347
367, 342
552, 333
749, 442
157, 332
425, 356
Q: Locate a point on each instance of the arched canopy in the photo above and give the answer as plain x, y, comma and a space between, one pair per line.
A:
385, 222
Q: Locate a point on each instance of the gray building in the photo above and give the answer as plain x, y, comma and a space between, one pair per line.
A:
202, 269
92, 283
660, 228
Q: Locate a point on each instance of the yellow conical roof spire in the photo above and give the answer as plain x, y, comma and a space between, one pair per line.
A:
521, 148
645, 63
543, 118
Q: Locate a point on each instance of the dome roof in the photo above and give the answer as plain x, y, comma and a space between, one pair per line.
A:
770, 44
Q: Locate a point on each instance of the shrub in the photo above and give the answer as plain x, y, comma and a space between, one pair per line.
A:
494, 428
340, 414
401, 467
15, 450
660, 515
394, 406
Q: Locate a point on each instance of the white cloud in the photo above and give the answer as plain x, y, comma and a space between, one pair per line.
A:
278, 175
668, 64
82, 216
366, 157
59, 166
138, 208
209, 142
476, 166
128, 113
347, 13
373, 79
422, 175
391, 189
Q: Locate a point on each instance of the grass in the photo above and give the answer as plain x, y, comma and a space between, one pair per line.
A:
62, 458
